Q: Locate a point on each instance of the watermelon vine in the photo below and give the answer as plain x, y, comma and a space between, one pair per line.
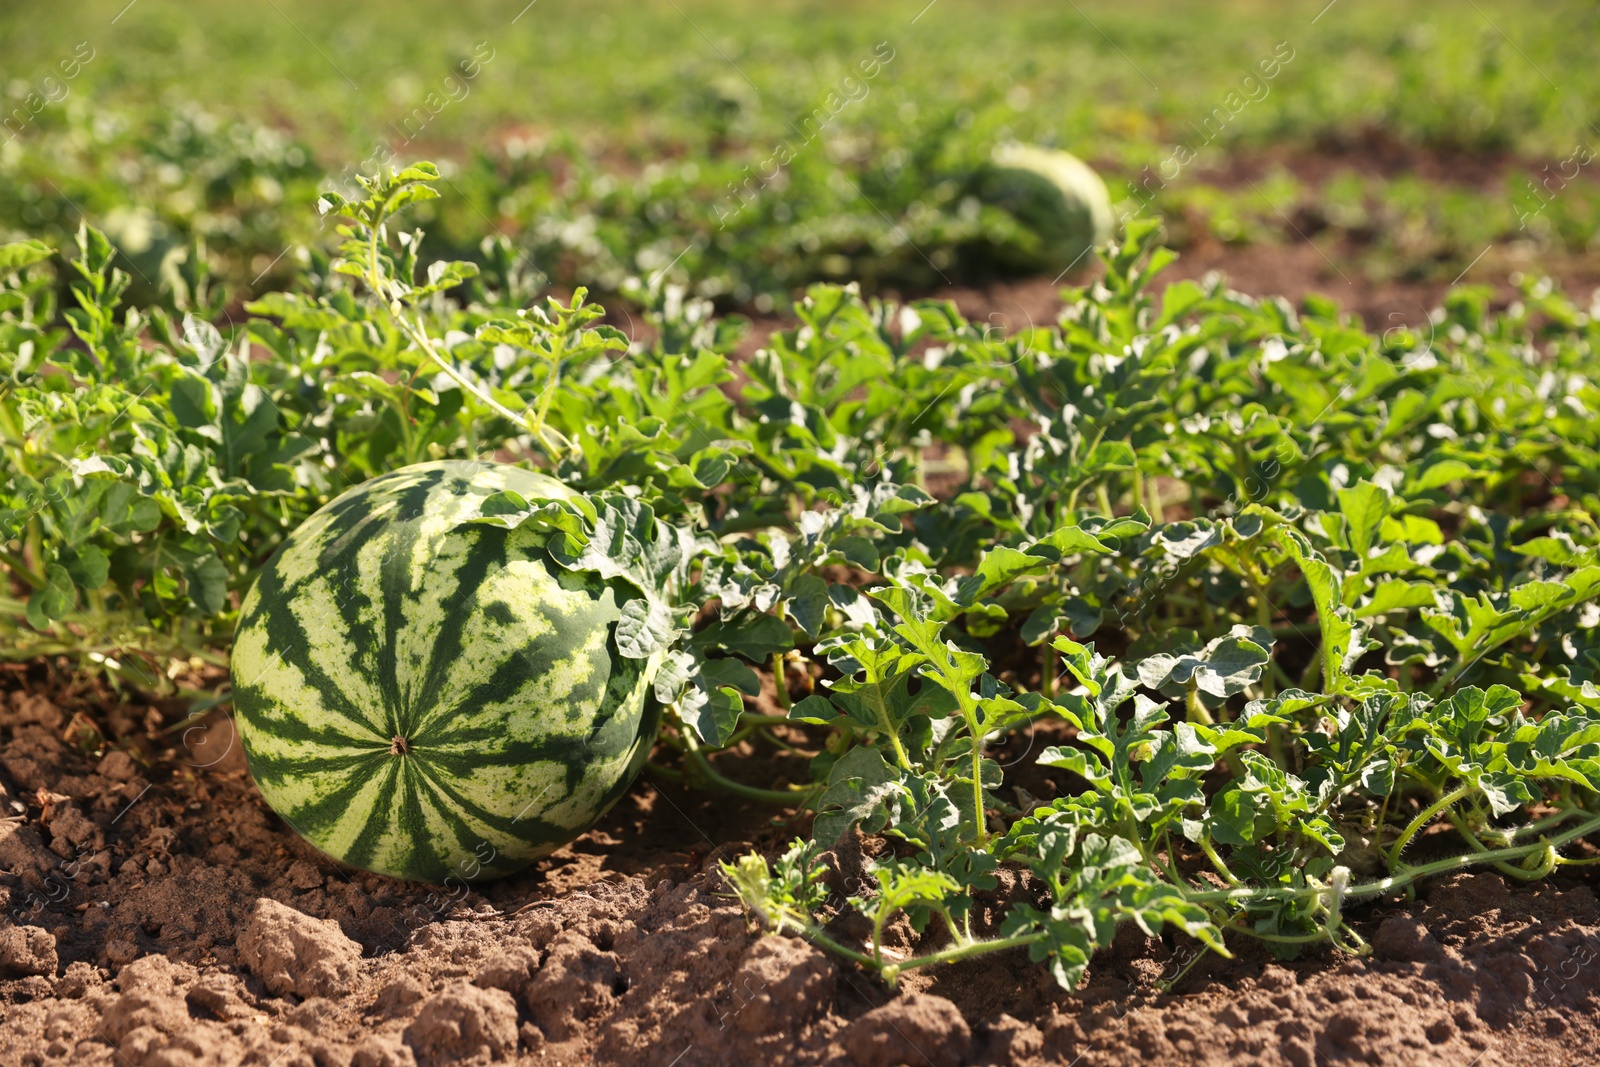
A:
1212, 615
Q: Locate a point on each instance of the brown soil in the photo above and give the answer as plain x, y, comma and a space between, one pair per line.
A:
157, 912
1372, 152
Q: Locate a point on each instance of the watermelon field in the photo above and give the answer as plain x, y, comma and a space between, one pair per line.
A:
702, 532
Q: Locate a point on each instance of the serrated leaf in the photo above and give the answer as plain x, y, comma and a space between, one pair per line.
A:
22, 254
1396, 594
815, 708
731, 674
88, 564
757, 638
54, 601
674, 673
712, 712
807, 604
859, 552
644, 628
1364, 507
208, 584
861, 789
193, 403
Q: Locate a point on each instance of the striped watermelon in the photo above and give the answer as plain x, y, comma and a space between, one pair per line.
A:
1058, 199
430, 700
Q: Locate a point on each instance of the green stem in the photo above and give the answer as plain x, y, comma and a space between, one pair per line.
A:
1540, 825
703, 767
655, 770
373, 276
1522, 874
982, 826
1284, 939
212, 704
419, 337
1166, 866
1296, 629
206, 656
1279, 673
1216, 861
1172, 983
1278, 747
21, 569
405, 405
401, 409
1313, 671
971, 948
17, 644
1424, 817
817, 937
1444, 681
781, 745
35, 544
1250, 895
886, 726
969, 713
780, 680
556, 355
1246, 896
878, 920
1047, 669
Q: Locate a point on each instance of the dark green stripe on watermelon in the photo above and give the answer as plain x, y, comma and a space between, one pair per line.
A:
364, 848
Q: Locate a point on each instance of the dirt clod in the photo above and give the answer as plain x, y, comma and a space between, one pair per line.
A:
26, 950
577, 982
398, 994
116, 765
915, 1029
382, 1052
464, 1024
1400, 937
510, 970
304, 876
782, 982
218, 995
1010, 1040
293, 953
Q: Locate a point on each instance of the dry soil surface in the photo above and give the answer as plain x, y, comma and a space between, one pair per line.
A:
156, 912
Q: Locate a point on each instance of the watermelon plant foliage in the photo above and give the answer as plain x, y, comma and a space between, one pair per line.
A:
1214, 615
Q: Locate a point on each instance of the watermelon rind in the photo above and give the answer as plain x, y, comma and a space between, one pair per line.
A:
429, 696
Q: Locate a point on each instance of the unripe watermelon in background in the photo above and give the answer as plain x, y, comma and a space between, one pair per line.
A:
1061, 204
426, 699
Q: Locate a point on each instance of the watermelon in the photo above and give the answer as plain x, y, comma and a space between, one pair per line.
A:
433, 700
1059, 201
